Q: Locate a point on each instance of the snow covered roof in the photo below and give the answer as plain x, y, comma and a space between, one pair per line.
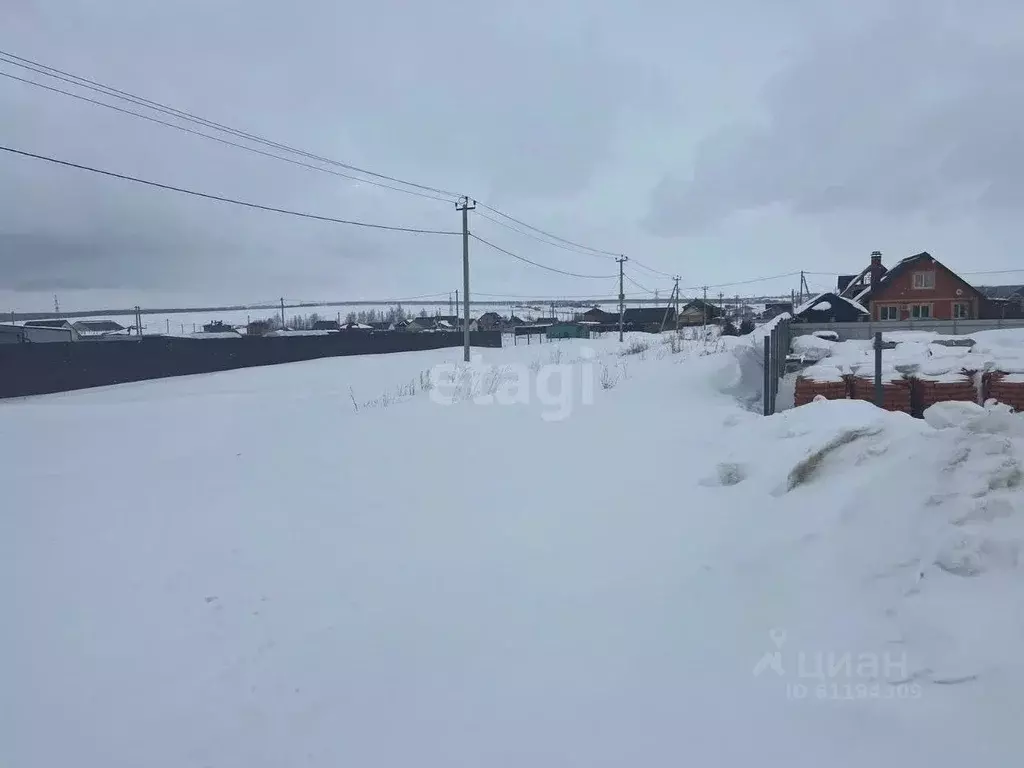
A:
823, 301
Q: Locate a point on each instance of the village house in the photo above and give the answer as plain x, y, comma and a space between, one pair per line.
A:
56, 328
490, 321
917, 288
830, 308
699, 312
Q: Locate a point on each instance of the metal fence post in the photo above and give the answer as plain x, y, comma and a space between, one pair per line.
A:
766, 388
775, 366
879, 394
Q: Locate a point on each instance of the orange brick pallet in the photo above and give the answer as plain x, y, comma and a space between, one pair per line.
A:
807, 389
1007, 388
895, 392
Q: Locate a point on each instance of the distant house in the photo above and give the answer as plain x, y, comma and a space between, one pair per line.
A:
513, 321
356, 327
648, 318
776, 308
326, 325
698, 312
420, 324
567, 330
545, 321
218, 326
12, 334
93, 328
258, 328
60, 326
489, 321
1002, 301
1002, 291
598, 315
830, 308
917, 288
379, 325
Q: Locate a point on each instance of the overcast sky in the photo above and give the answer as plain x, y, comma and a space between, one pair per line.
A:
720, 141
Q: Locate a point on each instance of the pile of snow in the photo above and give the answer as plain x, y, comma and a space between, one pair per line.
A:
279, 576
812, 347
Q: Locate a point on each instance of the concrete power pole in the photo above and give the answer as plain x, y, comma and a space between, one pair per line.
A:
282, 314
465, 206
676, 290
622, 295
704, 330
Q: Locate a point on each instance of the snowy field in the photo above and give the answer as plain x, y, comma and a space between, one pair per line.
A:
562, 555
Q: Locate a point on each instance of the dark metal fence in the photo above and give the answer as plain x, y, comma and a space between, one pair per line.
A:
35, 369
776, 350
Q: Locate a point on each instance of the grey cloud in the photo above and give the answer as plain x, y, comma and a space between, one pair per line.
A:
917, 112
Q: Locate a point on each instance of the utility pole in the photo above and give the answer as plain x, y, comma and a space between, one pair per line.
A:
705, 307
676, 290
56, 305
458, 307
465, 206
282, 314
622, 295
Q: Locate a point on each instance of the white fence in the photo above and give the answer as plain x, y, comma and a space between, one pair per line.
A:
866, 330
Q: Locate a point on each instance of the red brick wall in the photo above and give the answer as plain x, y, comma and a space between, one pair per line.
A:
899, 291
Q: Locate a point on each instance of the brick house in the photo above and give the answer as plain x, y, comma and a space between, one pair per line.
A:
917, 288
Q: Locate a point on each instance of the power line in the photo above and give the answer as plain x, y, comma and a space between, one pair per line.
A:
218, 139
995, 272
536, 264
596, 251
641, 287
84, 82
219, 198
110, 91
539, 239
651, 269
742, 282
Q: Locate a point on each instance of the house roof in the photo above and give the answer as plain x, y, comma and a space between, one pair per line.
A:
98, 326
48, 323
860, 285
1001, 291
700, 304
902, 266
647, 314
830, 298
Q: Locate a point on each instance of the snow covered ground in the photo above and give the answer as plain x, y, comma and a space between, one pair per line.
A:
397, 560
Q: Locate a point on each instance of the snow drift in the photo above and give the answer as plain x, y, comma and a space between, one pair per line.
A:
245, 569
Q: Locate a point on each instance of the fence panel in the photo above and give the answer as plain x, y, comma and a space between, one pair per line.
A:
866, 330
35, 369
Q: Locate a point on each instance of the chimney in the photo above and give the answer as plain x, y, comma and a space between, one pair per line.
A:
876, 268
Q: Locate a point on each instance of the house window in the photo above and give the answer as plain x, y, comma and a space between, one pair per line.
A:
924, 280
921, 311
961, 311
889, 313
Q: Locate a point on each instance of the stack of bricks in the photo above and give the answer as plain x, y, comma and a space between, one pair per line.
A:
931, 389
895, 391
830, 385
1007, 388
